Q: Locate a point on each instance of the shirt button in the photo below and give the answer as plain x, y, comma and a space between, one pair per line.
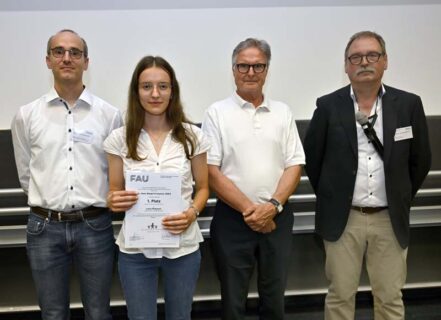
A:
71, 188
73, 206
70, 112
70, 130
369, 158
370, 193
369, 142
370, 176
70, 168
157, 163
70, 149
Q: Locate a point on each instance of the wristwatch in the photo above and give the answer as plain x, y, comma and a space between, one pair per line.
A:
277, 204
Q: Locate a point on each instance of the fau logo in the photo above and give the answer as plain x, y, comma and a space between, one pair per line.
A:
139, 178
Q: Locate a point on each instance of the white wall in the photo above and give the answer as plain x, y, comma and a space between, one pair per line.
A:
307, 44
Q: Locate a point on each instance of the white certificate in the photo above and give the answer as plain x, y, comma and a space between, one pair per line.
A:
159, 194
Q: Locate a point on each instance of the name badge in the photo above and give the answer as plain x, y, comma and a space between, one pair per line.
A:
84, 136
403, 133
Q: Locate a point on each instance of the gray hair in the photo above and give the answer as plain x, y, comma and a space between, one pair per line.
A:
85, 49
366, 34
262, 45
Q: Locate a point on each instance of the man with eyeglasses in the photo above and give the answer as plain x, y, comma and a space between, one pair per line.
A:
365, 176
63, 170
254, 166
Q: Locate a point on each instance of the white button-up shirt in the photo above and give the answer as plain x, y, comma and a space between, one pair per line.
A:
252, 146
370, 187
58, 150
171, 158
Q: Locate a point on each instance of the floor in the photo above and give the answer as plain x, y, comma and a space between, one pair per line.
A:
421, 304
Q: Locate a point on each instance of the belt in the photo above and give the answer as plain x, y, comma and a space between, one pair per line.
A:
77, 215
368, 210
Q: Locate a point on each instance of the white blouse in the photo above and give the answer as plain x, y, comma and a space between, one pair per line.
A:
170, 159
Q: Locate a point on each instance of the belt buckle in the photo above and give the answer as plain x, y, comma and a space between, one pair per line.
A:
59, 216
362, 212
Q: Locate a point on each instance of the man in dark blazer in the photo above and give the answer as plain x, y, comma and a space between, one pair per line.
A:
363, 192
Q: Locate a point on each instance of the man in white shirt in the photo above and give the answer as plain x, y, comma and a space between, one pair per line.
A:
62, 168
365, 186
254, 166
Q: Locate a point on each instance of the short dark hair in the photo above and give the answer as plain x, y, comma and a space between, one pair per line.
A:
366, 34
262, 45
85, 48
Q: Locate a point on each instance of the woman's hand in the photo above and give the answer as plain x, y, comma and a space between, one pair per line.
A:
120, 201
178, 223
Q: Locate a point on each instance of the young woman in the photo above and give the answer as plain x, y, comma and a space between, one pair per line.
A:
159, 138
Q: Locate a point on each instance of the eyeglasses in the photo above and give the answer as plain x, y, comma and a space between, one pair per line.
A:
59, 52
244, 67
162, 87
371, 57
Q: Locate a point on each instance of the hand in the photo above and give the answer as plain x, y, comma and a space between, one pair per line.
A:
260, 216
249, 211
178, 223
270, 226
120, 201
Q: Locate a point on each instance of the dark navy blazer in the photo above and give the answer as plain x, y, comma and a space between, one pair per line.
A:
332, 158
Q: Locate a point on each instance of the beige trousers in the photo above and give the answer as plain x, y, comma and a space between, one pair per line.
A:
369, 236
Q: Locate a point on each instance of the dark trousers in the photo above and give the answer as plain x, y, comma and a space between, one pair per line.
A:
237, 249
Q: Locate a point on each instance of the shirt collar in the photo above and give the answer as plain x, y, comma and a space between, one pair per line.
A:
380, 94
85, 96
242, 103
378, 104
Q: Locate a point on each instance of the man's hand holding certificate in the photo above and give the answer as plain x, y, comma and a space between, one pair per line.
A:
159, 195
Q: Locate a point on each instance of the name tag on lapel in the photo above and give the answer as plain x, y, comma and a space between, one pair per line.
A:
403, 133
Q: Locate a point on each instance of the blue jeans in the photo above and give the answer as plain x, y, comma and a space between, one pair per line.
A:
53, 246
139, 279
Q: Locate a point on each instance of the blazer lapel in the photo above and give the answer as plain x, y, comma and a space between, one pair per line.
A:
389, 122
347, 117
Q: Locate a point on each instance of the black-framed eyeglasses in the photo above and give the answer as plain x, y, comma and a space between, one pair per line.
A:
371, 57
245, 67
74, 53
